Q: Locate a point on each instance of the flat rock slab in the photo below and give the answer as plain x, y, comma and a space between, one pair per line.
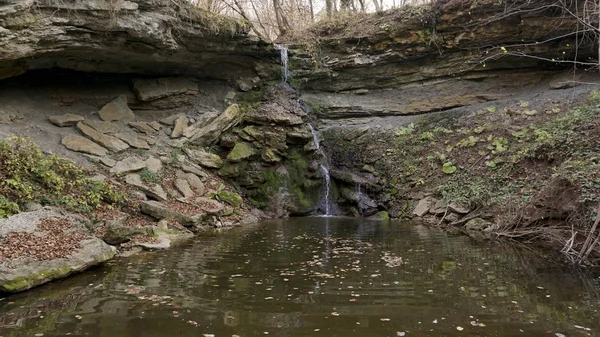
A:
143, 127
154, 191
273, 113
183, 186
26, 257
127, 165
66, 120
132, 140
83, 145
117, 110
106, 127
112, 143
423, 206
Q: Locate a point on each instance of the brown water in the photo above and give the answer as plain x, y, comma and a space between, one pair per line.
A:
316, 277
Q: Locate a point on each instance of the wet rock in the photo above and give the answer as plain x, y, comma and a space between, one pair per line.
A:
117, 110
83, 145
66, 120
112, 143
458, 208
32, 263
132, 140
209, 134
478, 224
152, 89
120, 234
180, 125
241, 151
382, 215
439, 208
142, 127
423, 206
130, 164
183, 186
205, 159
355, 179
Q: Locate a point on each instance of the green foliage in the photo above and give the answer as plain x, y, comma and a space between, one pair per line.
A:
410, 128
148, 176
500, 144
7, 208
28, 174
448, 168
468, 142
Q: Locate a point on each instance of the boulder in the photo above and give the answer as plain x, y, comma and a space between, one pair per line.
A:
382, 215
152, 89
210, 133
112, 143
240, 152
83, 145
129, 164
180, 125
478, 224
231, 198
66, 120
161, 211
273, 113
195, 183
153, 164
458, 208
423, 206
44, 245
183, 186
117, 110
205, 159
355, 179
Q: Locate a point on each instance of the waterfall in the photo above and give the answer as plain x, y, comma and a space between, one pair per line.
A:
283, 51
326, 205
327, 178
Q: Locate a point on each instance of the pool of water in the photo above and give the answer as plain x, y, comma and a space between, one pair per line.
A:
317, 277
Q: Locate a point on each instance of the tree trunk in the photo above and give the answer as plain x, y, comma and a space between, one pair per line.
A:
329, 8
312, 10
378, 6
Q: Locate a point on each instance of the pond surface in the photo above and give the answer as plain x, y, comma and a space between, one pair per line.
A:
316, 277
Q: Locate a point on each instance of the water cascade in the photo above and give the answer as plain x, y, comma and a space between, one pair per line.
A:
283, 51
326, 204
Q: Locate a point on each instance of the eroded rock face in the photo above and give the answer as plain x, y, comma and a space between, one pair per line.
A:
440, 58
25, 259
160, 37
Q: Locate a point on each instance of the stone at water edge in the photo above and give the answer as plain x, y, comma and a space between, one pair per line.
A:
24, 273
231, 198
458, 208
382, 215
66, 120
478, 224
423, 206
117, 110
83, 145
439, 208
112, 143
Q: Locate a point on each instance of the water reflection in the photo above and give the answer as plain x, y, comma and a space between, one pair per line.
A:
317, 277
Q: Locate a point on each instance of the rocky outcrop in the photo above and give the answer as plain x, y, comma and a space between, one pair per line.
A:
418, 60
162, 37
27, 261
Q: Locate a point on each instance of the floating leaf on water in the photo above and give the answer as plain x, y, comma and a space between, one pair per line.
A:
459, 328
400, 333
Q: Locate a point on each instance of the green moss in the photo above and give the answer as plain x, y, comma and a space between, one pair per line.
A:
240, 152
24, 283
231, 198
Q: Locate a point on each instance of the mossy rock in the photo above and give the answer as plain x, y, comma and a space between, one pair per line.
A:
383, 215
231, 198
240, 152
270, 156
